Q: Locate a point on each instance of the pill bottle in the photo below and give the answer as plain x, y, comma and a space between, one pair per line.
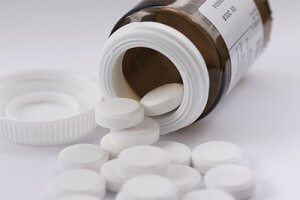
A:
207, 45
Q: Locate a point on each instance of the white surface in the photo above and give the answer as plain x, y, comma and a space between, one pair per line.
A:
163, 99
211, 154
261, 115
238, 180
146, 133
119, 113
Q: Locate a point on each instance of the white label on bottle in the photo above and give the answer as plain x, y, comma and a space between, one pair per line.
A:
241, 26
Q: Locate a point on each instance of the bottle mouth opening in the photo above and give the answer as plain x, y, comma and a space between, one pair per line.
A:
146, 69
123, 49
129, 80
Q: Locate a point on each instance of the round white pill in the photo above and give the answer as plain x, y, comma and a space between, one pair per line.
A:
163, 99
80, 181
211, 154
140, 160
208, 194
185, 178
237, 180
178, 153
83, 156
79, 197
110, 146
148, 187
119, 113
111, 172
146, 133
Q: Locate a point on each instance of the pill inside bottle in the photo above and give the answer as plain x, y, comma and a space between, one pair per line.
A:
205, 45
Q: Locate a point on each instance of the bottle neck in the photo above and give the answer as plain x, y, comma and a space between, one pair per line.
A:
178, 49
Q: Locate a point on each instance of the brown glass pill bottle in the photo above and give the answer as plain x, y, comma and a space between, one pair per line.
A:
207, 45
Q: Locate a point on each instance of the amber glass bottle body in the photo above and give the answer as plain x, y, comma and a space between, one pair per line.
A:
145, 68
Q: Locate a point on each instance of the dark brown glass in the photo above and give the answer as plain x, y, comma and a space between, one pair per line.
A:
146, 69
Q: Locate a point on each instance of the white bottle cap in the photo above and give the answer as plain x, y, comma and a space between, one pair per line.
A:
46, 107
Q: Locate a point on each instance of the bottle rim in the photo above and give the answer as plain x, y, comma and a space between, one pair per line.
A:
178, 49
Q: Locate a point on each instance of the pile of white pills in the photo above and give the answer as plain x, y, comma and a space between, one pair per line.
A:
166, 162
130, 128
132, 162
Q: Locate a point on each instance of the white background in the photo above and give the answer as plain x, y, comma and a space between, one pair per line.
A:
262, 114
